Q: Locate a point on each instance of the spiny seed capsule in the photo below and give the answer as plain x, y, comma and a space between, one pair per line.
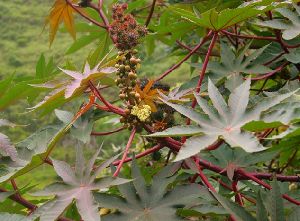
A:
127, 68
123, 58
132, 75
129, 88
133, 83
120, 53
117, 65
138, 60
134, 51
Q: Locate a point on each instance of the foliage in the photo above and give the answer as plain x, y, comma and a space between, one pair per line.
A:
232, 125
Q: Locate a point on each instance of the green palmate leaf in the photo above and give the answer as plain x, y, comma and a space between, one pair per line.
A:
291, 28
232, 159
293, 56
277, 212
295, 215
66, 90
261, 212
6, 147
220, 20
179, 131
82, 127
84, 41
77, 185
142, 202
236, 210
225, 120
5, 195
33, 150
13, 217
289, 109
232, 65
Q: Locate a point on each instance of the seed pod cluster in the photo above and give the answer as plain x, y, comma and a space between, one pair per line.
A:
127, 64
124, 30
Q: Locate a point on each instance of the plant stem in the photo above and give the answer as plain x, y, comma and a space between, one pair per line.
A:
238, 197
185, 58
102, 15
150, 13
77, 9
107, 133
260, 182
142, 154
125, 152
264, 76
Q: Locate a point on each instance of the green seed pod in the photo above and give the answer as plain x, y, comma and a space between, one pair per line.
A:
127, 68
137, 95
122, 96
133, 60
132, 75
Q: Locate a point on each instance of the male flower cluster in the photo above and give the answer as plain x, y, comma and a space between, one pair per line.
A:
124, 30
142, 112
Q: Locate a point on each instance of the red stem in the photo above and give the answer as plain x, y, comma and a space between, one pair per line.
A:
185, 58
230, 188
205, 63
126, 152
260, 182
102, 15
249, 36
238, 196
264, 76
107, 133
146, 152
77, 9
114, 109
150, 13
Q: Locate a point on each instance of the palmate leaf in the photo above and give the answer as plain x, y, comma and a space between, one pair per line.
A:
239, 213
233, 158
33, 150
142, 202
220, 20
65, 90
13, 217
77, 185
223, 120
6, 147
291, 29
61, 12
289, 109
232, 65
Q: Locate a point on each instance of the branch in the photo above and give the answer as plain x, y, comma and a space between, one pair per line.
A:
249, 36
150, 13
142, 154
77, 9
102, 15
125, 152
185, 58
108, 133
260, 182
264, 76
111, 107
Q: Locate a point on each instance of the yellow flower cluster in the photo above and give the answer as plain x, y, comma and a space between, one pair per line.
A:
141, 111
